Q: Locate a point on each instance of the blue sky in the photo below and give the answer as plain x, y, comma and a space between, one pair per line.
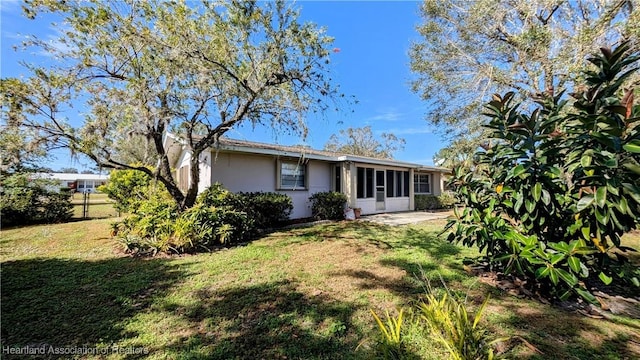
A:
373, 65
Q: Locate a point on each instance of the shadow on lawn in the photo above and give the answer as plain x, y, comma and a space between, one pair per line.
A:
561, 334
267, 321
61, 302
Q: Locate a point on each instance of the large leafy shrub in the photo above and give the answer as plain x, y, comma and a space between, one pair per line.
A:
556, 188
129, 189
328, 205
28, 200
267, 209
218, 217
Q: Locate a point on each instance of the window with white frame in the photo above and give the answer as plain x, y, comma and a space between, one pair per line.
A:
422, 183
291, 175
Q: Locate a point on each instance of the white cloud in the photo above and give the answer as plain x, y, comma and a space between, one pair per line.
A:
425, 129
11, 6
390, 115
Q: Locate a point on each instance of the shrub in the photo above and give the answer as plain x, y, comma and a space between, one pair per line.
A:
267, 209
217, 218
553, 195
440, 318
128, 188
25, 200
328, 205
391, 343
446, 200
449, 323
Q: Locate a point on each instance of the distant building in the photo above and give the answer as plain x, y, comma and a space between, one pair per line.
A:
77, 182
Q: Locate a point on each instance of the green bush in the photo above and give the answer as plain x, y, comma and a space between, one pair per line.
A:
25, 200
128, 188
218, 217
446, 200
551, 198
328, 205
267, 209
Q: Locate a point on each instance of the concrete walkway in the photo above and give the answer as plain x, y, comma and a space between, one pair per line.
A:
404, 218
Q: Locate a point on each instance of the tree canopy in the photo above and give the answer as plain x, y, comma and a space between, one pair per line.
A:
469, 50
138, 69
362, 142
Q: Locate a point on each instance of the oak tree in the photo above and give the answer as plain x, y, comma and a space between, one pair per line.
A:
126, 71
362, 142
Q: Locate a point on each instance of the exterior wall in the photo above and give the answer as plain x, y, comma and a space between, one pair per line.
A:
247, 172
437, 183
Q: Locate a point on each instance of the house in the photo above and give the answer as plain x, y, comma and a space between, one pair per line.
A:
76, 182
373, 185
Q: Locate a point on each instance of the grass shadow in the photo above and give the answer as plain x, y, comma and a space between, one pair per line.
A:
62, 302
271, 320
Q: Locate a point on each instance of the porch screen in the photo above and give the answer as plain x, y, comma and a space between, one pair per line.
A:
365, 183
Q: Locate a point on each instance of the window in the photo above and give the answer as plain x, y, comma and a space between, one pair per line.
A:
292, 175
422, 184
365, 184
338, 178
405, 188
397, 183
390, 179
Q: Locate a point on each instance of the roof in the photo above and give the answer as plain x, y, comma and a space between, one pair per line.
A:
71, 176
252, 147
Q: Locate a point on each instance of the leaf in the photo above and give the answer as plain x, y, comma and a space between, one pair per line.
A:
574, 264
529, 205
587, 296
546, 197
553, 275
601, 196
542, 272
518, 170
584, 202
633, 167
567, 277
632, 146
585, 161
605, 279
586, 232
536, 191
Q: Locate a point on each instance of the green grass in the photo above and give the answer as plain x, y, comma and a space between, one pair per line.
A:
100, 206
302, 293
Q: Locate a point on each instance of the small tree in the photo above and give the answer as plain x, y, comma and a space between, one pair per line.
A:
557, 188
362, 142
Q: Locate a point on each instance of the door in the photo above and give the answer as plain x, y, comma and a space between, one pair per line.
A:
380, 190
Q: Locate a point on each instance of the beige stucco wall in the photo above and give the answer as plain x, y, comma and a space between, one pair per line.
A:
248, 172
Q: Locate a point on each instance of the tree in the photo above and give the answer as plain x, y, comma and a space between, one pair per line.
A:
560, 185
471, 49
69, 170
144, 68
362, 142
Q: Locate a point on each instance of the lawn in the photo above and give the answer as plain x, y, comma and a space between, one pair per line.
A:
99, 206
302, 293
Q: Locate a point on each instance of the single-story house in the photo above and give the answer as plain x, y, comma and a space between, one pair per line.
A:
373, 185
76, 182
